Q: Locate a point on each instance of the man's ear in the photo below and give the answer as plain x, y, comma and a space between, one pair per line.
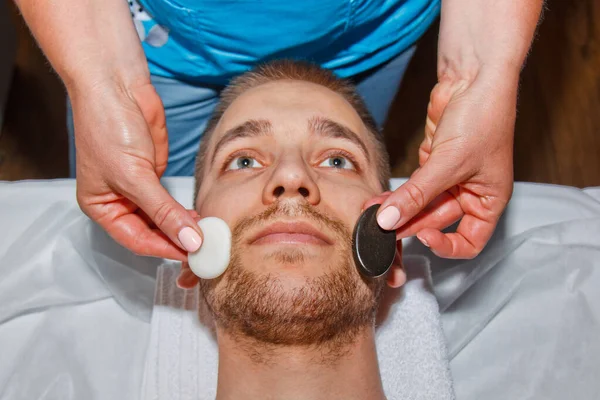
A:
397, 277
187, 279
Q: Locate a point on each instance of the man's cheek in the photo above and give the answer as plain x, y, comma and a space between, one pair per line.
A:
229, 205
346, 201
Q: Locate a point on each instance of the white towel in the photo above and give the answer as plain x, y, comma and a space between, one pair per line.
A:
182, 357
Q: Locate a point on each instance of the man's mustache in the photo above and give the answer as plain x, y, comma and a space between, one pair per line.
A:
291, 209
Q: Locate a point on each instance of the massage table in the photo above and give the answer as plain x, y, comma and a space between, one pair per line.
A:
521, 320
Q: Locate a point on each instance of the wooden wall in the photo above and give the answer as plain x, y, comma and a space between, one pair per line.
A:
557, 131
557, 135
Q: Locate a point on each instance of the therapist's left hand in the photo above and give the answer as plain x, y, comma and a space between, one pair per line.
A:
466, 167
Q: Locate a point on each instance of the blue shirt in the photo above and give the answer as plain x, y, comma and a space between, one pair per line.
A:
212, 40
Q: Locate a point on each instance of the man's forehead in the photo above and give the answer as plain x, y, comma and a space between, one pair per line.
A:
289, 103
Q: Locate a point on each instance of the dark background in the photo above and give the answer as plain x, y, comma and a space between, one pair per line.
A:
557, 138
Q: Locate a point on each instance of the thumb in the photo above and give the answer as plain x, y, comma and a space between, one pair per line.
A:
166, 213
412, 197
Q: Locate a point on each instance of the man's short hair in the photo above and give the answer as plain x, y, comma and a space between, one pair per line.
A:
298, 71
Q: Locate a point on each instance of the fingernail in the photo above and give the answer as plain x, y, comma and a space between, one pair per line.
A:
388, 218
423, 241
190, 239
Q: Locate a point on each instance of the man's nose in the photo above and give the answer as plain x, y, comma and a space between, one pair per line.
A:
292, 177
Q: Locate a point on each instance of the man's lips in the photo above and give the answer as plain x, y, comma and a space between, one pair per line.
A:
293, 232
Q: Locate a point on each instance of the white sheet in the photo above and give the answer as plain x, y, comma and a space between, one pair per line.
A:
521, 320
182, 358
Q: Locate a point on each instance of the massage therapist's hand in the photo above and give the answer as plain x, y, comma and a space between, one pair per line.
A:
122, 151
466, 159
466, 168
120, 131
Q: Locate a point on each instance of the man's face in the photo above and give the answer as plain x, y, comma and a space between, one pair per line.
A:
289, 167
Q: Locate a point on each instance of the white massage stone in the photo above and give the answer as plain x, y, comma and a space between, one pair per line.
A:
212, 259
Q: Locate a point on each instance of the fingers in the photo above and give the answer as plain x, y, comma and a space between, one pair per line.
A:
413, 196
376, 200
153, 112
132, 231
167, 214
442, 212
150, 223
397, 277
467, 242
186, 278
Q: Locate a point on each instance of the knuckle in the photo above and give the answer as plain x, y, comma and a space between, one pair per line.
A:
472, 253
465, 250
163, 214
415, 195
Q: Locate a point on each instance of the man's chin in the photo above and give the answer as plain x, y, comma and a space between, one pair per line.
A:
313, 300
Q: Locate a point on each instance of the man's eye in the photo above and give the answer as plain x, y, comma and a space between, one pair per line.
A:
243, 162
339, 162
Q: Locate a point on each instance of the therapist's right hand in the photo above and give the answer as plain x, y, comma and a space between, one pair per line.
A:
122, 151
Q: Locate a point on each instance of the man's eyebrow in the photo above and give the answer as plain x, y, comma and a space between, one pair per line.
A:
325, 127
248, 129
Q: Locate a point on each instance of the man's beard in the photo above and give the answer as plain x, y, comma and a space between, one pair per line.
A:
330, 309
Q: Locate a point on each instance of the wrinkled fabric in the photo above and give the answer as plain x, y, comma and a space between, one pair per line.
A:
525, 317
520, 321
211, 41
182, 358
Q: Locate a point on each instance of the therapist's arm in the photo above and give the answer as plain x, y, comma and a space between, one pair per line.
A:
120, 131
87, 41
477, 36
466, 157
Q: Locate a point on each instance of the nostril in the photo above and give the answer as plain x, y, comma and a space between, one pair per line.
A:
278, 191
303, 192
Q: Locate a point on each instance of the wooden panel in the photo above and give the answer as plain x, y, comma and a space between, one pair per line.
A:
33, 144
557, 133
558, 129
557, 137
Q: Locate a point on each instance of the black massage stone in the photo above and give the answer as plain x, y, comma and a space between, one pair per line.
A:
374, 248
